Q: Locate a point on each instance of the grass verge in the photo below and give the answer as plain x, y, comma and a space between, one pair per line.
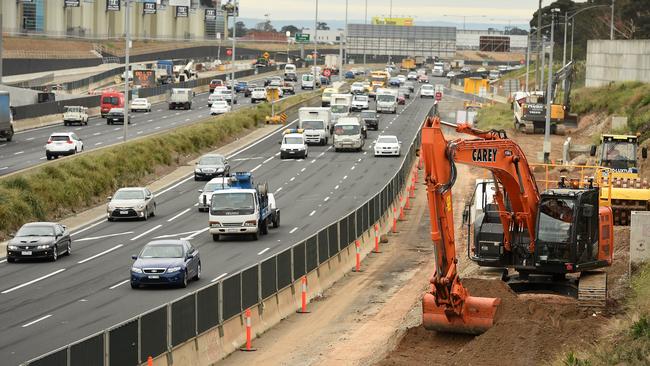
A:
629, 341
55, 190
497, 116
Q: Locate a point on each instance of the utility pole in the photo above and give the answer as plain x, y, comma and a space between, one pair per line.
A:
315, 43
539, 36
573, 27
549, 99
527, 60
127, 38
611, 25
390, 16
2, 46
365, 22
566, 21
345, 54
234, 44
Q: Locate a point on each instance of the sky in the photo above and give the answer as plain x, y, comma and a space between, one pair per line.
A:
515, 12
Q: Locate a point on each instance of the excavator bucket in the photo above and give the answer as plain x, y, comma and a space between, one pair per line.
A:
476, 318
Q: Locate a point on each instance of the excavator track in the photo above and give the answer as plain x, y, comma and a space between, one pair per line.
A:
592, 290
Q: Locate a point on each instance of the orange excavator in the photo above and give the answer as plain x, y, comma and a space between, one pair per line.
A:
552, 241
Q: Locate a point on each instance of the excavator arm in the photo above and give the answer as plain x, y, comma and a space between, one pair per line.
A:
449, 306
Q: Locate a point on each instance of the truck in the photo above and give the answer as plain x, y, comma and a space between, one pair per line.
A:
75, 114
340, 106
315, 122
386, 100
348, 134
165, 71
438, 69
332, 61
420, 61
242, 209
6, 117
181, 98
290, 72
408, 64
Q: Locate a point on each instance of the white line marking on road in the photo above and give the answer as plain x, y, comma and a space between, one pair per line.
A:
303, 169
187, 119
337, 187
146, 232
292, 179
6, 167
196, 204
365, 152
345, 177
164, 116
352, 167
195, 234
326, 198
104, 236
157, 128
36, 321
29, 139
263, 251
150, 121
267, 160
19, 152
277, 154
175, 185
179, 215
139, 132
100, 254
278, 190
313, 161
117, 128
178, 113
312, 213
219, 277
33, 281
174, 235
99, 143
257, 167
97, 133
4, 260
321, 154
43, 158
293, 230
118, 284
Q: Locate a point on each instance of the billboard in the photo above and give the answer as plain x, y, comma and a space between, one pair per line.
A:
112, 5
392, 21
71, 4
182, 11
144, 78
149, 8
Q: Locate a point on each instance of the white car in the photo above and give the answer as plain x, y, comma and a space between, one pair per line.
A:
258, 95
214, 97
140, 104
357, 88
131, 202
226, 95
219, 107
359, 103
412, 75
63, 143
427, 91
293, 146
401, 78
387, 145
215, 184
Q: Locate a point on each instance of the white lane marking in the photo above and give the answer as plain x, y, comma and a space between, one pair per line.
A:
313, 161
267, 160
175, 185
100, 254
139, 132
117, 128
164, 116
337, 187
43, 158
178, 113
352, 167
179, 215
6, 167
359, 160
195, 234
345, 177
146, 232
157, 128
33, 281
151, 121
219, 277
19, 152
104, 236
187, 120
278, 190
97, 133
29, 139
196, 204
257, 167
326, 198
174, 235
118, 284
365, 152
292, 179
312, 213
303, 169
277, 154
99, 143
4, 260
321, 154
293, 230
263, 251
36, 321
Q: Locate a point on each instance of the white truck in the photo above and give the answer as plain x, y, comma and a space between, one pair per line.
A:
340, 106
348, 134
315, 122
181, 98
290, 72
386, 100
242, 209
75, 114
438, 69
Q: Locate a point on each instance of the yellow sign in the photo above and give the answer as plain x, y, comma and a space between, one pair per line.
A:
407, 22
266, 55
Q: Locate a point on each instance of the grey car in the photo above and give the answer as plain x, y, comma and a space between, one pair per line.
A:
411, 85
131, 202
40, 240
406, 92
371, 119
210, 166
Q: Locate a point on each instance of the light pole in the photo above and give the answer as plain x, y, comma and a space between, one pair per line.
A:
566, 21
345, 54
288, 34
573, 23
527, 60
127, 39
234, 45
539, 36
549, 99
315, 43
365, 22
611, 24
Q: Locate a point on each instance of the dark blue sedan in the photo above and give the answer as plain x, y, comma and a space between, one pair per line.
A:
166, 262
349, 75
241, 86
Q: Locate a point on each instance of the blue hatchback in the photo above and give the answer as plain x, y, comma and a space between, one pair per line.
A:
166, 262
349, 75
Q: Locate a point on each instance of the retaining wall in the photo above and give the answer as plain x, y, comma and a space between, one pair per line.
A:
618, 60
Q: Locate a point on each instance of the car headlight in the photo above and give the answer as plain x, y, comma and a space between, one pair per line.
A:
43, 247
197, 170
220, 170
251, 223
173, 269
215, 224
140, 207
136, 270
12, 247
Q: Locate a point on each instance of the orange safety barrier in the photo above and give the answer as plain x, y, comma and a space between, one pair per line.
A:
394, 220
248, 348
376, 250
303, 296
357, 264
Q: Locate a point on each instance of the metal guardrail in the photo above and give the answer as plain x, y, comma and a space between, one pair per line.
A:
162, 329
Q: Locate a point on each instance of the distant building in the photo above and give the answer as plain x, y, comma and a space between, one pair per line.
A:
401, 41
324, 36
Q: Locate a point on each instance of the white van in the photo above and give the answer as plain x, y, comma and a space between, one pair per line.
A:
308, 82
348, 134
289, 68
386, 100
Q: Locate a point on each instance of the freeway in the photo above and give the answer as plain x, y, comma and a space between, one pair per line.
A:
47, 305
27, 149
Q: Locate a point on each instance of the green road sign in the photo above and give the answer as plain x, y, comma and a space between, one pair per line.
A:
302, 37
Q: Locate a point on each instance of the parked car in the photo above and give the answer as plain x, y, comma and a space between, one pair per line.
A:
62, 144
39, 240
215, 184
370, 119
211, 165
140, 104
214, 83
116, 115
219, 107
387, 145
75, 114
131, 202
166, 262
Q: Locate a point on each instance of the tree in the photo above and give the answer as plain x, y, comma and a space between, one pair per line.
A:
241, 29
265, 26
322, 26
517, 31
290, 28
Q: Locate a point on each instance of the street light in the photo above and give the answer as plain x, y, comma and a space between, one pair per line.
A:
573, 24
288, 34
547, 127
234, 45
127, 39
365, 22
315, 43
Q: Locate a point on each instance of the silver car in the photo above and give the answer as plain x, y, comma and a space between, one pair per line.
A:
131, 202
210, 166
214, 184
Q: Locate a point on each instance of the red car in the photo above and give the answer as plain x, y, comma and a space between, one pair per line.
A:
401, 99
423, 79
214, 83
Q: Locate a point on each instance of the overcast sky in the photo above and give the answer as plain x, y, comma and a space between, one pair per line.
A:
483, 11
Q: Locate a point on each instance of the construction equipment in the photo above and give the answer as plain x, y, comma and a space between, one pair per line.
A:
544, 237
408, 64
629, 191
530, 108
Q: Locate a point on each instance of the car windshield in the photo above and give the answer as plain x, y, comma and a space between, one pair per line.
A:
233, 200
307, 78
327, 94
619, 154
293, 140
140, 101
387, 140
111, 100
211, 160
360, 98
385, 98
427, 87
555, 218
73, 109
220, 104
211, 187
129, 195
33, 230
368, 115
346, 130
162, 251
339, 109
312, 125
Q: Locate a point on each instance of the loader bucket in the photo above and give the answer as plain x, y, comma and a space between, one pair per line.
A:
477, 315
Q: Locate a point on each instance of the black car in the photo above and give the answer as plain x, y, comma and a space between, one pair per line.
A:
249, 89
43, 240
371, 119
116, 115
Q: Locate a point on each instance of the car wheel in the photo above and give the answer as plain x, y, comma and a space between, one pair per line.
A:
11, 260
134, 285
184, 280
276, 220
68, 249
48, 156
198, 273
145, 217
55, 254
153, 212
256, 235
215, 237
